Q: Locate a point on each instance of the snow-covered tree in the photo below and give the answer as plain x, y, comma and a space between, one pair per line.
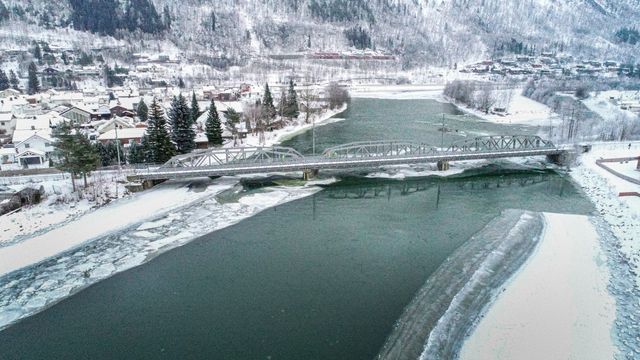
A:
4, 81
269, 109
292, 110
213, 127
33, 86
159, 147
182, 132
142, 111
195, 109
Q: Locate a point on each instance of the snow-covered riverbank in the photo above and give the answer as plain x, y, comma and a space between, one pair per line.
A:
82, 245
297, 127
557, 305
576, 297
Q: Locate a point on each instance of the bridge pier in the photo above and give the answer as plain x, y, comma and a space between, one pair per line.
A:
443, 165
148, 184
308, 174
565, 158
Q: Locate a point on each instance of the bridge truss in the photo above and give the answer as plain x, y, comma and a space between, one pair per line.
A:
247, 160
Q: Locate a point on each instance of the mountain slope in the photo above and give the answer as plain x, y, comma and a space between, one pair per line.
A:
439, 32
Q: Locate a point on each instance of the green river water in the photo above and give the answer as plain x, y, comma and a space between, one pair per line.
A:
323, 277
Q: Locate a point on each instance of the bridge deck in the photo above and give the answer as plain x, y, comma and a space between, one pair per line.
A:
323, 162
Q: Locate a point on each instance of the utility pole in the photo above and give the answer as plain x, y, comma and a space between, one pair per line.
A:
118, 148
442, 131
118, 153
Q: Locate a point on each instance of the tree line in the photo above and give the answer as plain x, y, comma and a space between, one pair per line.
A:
105, 17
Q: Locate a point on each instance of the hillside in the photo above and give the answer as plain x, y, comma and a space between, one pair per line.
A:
417, 32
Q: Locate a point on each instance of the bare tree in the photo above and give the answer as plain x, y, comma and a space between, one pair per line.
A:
308, 98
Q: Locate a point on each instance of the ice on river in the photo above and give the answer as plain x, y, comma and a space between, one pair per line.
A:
32, 289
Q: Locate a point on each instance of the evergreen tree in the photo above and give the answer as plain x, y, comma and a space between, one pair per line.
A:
37, 53
292, 110
65, 58
282, 104
143, 111
4, 81
159, 147
181, 83
87, 157
166, 15
213, 128
33, 86
65, 150
182, 132
4, 12
195, 109
74, 152
136, 154
213, 21
13, 79
267, 103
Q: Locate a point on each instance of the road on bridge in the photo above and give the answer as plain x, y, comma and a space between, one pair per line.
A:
249, 160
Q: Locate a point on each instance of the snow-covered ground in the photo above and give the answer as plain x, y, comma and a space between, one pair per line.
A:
607, 104
520, 111
297, 127
621, 213
577, 296
59, 205
557, 306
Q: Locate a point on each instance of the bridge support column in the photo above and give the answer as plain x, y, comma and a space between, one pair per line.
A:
148, 184
638, 166
443, 165
308, 174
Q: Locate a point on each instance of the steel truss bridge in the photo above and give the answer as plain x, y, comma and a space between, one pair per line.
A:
364, 154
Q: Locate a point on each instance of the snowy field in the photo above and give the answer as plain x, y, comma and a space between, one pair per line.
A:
607, 104
520, 111
277, 136
557, 306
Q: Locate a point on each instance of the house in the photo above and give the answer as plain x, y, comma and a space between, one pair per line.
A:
78, 114
120, 122
119, 110
7, 124
125, 136
32, 159
7, 157
9, 93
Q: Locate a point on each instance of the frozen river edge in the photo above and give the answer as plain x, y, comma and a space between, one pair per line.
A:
435, 324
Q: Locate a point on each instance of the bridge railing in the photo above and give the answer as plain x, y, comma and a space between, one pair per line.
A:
233, 158
220, 157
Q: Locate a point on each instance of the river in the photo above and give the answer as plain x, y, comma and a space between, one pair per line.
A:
323, 277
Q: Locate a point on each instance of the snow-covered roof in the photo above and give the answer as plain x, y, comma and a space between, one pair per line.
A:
6, 116
8, 151
121, 121
125, 102
128, 133
39, 122
20, 136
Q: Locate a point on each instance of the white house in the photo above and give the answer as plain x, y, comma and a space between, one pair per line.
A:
7, 124
8, 158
